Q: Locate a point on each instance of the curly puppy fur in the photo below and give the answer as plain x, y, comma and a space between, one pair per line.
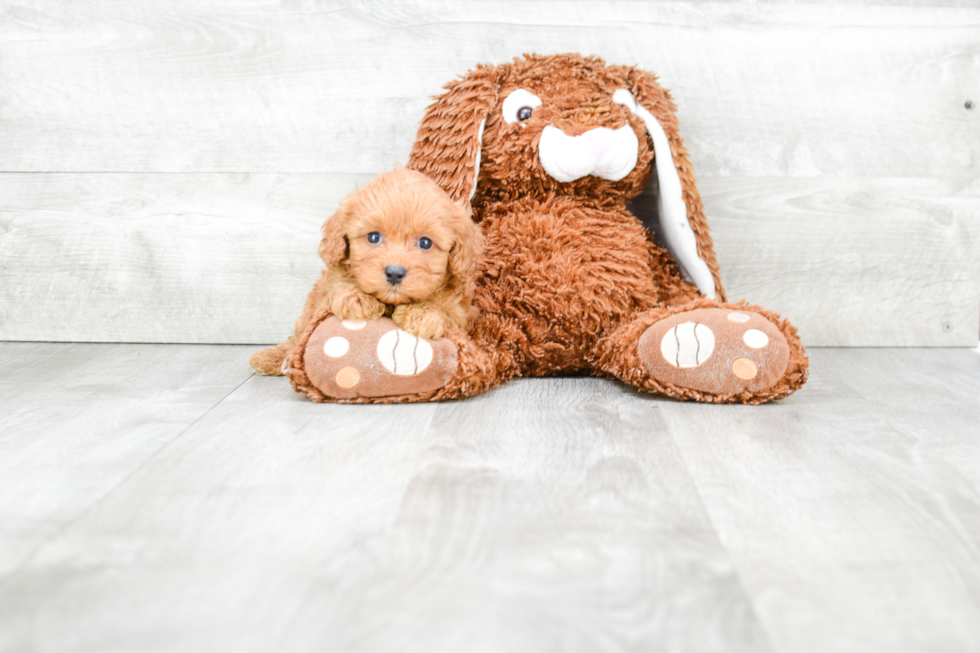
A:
401, 218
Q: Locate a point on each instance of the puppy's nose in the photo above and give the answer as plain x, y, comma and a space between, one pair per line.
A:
395, 274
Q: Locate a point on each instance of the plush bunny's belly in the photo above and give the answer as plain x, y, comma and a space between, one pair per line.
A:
564, 270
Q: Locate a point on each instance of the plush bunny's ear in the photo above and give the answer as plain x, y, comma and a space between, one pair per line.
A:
683, 226
447, 147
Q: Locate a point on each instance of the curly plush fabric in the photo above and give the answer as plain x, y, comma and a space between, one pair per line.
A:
571, 280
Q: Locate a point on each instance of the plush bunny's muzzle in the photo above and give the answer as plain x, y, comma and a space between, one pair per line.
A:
602, 152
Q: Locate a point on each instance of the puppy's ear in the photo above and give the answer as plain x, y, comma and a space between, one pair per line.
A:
464, 257
682, 223
333, 244
447, 146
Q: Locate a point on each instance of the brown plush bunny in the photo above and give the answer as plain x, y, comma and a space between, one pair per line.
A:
551, 150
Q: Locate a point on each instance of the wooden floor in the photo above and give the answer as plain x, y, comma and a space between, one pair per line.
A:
162, 498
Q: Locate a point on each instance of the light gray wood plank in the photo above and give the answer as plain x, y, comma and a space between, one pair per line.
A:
764, 91
547, 515
76, 420
160, 258
550, 515
852, 509
896, 3
275, 86
854, 262
230, 258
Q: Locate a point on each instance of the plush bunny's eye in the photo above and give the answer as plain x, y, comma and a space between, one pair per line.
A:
519, 105
374, 237
425, 243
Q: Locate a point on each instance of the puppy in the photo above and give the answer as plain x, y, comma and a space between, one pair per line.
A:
399, 247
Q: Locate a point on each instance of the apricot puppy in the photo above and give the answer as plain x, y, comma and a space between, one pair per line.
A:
398, 247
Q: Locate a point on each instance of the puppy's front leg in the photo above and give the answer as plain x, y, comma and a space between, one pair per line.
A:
348, 303
423, 320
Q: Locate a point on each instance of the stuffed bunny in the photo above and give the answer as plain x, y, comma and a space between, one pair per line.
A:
549, 152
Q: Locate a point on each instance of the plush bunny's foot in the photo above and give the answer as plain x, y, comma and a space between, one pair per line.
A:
715, 350
345, 359
706, 351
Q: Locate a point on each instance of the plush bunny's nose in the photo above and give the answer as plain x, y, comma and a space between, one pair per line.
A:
598, 142
395, 273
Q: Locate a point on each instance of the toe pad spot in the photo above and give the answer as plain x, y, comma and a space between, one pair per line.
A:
744, 369
336, 347
755, 339
347, 377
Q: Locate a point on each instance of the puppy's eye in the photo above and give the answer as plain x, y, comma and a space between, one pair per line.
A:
425, 243
519, 105
374, 237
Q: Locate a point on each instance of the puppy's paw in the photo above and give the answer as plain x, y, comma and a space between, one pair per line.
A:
352, 304
421, 320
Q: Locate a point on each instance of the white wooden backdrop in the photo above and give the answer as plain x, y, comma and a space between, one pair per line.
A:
165, 166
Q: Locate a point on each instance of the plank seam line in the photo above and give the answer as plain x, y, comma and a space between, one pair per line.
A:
61, 531
738, 573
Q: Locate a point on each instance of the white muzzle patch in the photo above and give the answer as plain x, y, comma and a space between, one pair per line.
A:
602, 152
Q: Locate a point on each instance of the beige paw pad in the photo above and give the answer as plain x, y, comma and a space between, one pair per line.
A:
348, 359
715, 350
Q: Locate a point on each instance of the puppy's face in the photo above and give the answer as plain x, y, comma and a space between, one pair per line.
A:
400, 236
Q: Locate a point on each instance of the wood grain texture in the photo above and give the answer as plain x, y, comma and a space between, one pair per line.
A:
230, 258
160, 258
854, 262
549, 514
339, 87
832, 142
541, 516
78, 420
852, 509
